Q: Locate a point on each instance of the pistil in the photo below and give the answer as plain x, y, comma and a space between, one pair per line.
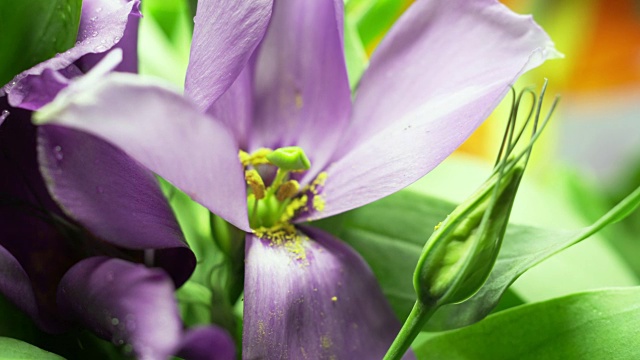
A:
269, 206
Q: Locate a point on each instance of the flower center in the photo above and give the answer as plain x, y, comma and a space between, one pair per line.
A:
273, 205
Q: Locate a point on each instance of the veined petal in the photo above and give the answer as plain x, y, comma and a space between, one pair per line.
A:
234, 107
437, 75
225, 35
124, 302
207, 343
302, 94
111, 195
34, 252
327, 303
16, 286
164, 132
102, 25
128, 41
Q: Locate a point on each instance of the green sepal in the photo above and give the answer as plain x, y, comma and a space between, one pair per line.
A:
459, 255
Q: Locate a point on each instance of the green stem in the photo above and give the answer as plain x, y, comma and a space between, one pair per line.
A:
281, 175
411, 328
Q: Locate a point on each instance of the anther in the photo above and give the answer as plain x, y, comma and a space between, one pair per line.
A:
287, 190
255, 182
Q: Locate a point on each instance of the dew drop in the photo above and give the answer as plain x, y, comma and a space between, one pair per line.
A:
116, 39
100, 48
93, 18
98, 9
3, 115
94, 34
57, 153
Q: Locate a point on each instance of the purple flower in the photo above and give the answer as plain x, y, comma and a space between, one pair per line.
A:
79, 218
261, 79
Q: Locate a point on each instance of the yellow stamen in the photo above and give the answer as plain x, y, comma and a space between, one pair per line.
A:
255, 183
286, 235
258, 157
318, 203
287, 190
299, 203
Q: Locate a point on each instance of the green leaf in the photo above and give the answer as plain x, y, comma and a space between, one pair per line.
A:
593, 325
12, 349
164, 39
374, 18
34, 31
390, 233
355, 54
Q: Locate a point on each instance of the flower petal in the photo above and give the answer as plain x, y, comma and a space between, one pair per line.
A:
111, 195
327, 303
164, 132
234, 108
30, 235
16, 286
128, 41
302, 94
225, 35
126, 303
437, 75
207, 343
102, 25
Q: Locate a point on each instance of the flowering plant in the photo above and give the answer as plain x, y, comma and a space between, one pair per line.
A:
270, 139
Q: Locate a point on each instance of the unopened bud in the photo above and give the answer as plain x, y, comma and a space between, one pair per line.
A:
458, 257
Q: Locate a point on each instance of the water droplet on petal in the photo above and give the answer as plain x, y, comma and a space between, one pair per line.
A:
116, 39
98, 9
93, 18
94, 34
57, 153
3, 115
100, 48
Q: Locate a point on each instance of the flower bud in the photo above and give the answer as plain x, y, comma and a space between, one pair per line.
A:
459, 255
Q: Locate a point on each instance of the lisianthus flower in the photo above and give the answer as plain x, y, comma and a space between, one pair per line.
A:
79, 219
268, 138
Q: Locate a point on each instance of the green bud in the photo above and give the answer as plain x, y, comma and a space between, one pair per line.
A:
459, 255
291, 158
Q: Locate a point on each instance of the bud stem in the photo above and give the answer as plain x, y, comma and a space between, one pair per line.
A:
414, 323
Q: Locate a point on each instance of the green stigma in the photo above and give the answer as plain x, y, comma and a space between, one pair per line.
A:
275, 204
291, 158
